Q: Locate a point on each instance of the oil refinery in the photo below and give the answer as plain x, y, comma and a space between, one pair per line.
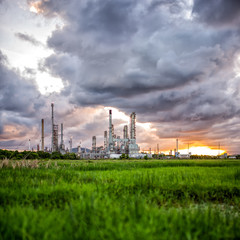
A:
113, 146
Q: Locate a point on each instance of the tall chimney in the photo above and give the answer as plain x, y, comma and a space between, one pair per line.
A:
133, 126
125, 131
43, 135
105, 140
110, 142
54, 133
94, 144
52, 105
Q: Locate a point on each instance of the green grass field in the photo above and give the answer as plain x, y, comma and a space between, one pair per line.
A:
150, 199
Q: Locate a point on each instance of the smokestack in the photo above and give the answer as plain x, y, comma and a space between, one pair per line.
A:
54, 133
43, 135
110, 142
125, 132
113, 131
105, 140
52, 105
133, 126
94, 144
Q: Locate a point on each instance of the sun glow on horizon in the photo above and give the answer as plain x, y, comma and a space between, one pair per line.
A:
203, 150
200, 150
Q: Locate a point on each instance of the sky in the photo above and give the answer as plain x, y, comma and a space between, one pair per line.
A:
176, 63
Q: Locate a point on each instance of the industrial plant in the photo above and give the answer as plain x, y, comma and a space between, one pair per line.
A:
113, 146
109, 145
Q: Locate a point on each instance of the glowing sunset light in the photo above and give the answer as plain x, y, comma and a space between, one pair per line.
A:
200, 150
203, 150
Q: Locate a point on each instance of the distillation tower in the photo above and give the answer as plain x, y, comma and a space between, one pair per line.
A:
54, 132
123, 145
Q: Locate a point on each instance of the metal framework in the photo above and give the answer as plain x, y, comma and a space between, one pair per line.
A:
105, 140
133, 126
125, 131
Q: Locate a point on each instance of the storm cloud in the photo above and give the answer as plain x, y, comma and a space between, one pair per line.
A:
218, 12
20, 101
175, 63
162, 59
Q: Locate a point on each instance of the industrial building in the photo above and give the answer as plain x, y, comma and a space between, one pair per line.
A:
125, 144
54, 132
54, 141
113, 146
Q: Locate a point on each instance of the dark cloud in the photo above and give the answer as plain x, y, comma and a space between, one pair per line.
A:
28, 38
173, 63
149, 60
115, 19
218, 12
20, 99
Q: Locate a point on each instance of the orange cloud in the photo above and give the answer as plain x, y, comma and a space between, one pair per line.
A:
35, 7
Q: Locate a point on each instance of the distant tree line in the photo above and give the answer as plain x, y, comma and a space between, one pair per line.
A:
16, 155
